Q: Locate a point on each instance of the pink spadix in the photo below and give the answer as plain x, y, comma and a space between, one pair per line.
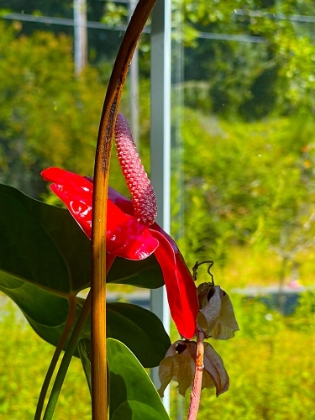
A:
139, 185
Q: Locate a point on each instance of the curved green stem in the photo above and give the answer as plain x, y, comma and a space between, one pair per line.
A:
55, 358
51, 405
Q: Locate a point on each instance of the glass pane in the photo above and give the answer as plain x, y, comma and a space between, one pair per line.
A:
243, 192
50, 117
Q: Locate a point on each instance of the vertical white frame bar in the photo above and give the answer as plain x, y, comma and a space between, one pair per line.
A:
80, 35
161, 141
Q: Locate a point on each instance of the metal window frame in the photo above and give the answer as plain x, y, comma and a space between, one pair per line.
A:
160, 141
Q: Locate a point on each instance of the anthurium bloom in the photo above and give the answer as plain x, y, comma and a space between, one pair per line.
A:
126, 237
129, 238
131, 229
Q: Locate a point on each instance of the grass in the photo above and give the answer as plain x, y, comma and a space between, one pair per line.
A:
24, 361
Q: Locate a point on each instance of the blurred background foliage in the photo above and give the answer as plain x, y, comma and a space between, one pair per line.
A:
48, 118
270, 365
25, 362
243, 186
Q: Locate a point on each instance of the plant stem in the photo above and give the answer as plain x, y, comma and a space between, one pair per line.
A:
196, 390
101, 171
55, 358
85, 312
73, 341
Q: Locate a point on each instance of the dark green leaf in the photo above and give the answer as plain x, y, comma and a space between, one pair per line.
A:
84, 348
145, 273
46, 312
140, 330
43, 245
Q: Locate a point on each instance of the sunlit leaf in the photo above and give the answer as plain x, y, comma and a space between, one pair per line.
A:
132, 394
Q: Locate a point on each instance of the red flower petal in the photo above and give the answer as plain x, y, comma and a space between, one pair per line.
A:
121, 201
126, 237
77, 194
180, 286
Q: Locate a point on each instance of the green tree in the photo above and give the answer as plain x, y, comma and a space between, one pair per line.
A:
247, 78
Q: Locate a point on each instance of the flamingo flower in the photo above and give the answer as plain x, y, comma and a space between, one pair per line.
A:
131, 231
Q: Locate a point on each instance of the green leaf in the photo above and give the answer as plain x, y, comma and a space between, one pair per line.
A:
84, 348
132, 393
146, 273
141, 330
45, 311
41, 244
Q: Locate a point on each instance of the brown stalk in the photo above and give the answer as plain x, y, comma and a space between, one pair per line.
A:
196, 390
101, 173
